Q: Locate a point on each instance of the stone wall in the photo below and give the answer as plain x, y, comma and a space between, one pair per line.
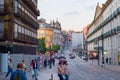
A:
17, 58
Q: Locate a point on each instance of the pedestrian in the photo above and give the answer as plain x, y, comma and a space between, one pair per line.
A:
38, 62
45, 63
10, 68
24, 65
110, 60
35, 69
107, 60
19, 74
60, 71
31, 65
53, 60
65, 66
50, 63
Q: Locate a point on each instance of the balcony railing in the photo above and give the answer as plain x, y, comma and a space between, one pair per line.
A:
1, 9
26, 18
24, 38
32, 6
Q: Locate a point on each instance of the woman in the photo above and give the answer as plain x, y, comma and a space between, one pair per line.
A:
60, 71
31, 65
10, 68
65, 66
24, 65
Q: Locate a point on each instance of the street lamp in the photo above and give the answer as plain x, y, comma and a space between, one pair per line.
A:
102, 50
98, 50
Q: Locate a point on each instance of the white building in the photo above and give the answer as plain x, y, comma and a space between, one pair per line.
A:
104, 32
77, 40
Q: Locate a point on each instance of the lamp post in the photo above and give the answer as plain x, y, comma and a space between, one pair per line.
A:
98, 50
102, 51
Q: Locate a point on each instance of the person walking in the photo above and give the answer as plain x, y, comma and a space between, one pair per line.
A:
60, 71
10, 68
65, 66
31, 66
45, 63
24, 65
19, 74
35, 69
53, 60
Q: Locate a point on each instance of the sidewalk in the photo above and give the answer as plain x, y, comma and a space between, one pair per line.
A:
44, 74
114, 68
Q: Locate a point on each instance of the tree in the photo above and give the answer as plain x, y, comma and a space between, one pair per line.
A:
55, 48
41, 45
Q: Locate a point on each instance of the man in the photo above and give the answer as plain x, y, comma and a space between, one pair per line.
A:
35, 69
19, 74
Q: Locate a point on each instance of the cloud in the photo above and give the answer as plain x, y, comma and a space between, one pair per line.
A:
73, 13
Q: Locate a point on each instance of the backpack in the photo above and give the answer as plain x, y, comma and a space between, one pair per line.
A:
17, 76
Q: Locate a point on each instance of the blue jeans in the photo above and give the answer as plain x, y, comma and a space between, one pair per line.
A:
10, 70
35, 73
66, 77
60, 76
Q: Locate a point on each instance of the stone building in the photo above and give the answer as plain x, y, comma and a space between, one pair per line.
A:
104, 32
45, 31
18, 26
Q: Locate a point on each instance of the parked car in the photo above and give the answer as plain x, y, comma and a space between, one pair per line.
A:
85, 58
72, 56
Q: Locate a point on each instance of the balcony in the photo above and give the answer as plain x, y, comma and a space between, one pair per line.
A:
1, 9
32, 6
26, 18
24, 38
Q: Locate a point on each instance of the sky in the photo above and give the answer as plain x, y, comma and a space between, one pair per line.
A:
72, 14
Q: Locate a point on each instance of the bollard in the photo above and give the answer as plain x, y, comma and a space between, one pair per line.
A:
51, 77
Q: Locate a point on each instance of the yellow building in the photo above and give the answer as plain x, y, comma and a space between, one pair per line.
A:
46, 32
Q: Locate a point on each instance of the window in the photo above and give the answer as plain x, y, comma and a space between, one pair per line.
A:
16, 31
19, 5
1, 5
16, 27
19, 29
1, 29
1, 2
16, 6
23, 30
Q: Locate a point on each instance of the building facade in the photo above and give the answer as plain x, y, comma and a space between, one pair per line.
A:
85, 31
18, 26
77, 40
106, 34
45, 31
57, 32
